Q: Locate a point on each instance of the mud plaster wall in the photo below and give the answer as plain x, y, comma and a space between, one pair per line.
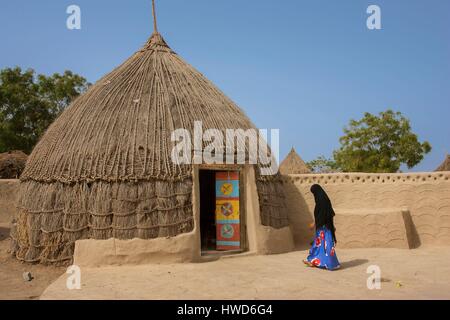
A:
8, 192
378, 210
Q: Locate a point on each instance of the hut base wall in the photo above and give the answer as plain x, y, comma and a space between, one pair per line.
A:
97, 253
262, 239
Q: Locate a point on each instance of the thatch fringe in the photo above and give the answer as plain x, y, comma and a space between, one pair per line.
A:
58, 214
272, 203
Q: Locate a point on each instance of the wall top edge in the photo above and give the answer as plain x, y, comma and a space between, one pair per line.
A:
369, 177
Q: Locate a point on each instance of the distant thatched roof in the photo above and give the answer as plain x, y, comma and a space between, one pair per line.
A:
445, 166
12, 164
293, 164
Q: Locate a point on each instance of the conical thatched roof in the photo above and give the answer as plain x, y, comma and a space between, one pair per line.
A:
445, 166
293, 164
121, 128
103, 169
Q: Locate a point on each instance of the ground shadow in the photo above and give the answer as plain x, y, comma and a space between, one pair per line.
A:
4, 233
302, 246
352, 263
411, 231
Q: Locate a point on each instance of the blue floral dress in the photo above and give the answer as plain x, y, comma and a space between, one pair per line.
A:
322, 253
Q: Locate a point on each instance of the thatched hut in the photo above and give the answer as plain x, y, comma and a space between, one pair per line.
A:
12, 164
445, 166
101, 178
294, 164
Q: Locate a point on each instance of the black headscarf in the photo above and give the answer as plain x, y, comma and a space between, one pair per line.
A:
323, 212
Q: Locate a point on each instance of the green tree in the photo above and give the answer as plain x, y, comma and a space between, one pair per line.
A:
322, 165
29, 103
379, 144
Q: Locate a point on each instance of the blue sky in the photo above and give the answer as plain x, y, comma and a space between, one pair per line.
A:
305, 67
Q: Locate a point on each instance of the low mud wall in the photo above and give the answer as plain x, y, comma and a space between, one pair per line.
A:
375, 210
8, 192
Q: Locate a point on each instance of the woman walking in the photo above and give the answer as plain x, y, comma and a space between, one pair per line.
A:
322, 253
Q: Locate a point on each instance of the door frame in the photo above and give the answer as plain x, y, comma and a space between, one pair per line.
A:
242, 206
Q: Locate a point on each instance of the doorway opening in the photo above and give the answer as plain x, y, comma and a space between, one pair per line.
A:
221, 217
207, 180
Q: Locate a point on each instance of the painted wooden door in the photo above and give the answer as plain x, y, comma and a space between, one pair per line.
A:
227, 211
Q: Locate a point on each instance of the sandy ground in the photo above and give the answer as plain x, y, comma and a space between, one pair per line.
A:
406, 274
422, 273
12, 285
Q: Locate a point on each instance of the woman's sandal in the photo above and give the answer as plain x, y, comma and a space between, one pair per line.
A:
309, 264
